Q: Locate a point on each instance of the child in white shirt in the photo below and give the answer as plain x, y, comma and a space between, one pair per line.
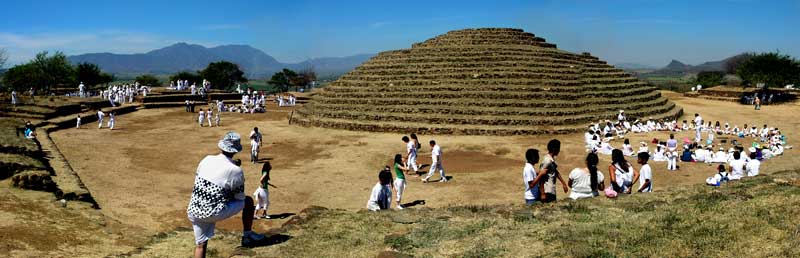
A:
645, 174
753, 165
381, 196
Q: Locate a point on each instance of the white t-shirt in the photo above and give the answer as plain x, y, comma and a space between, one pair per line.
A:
752, 167
528, 174
698, 121
436, 152
380, 198
645, 173
100, 115
255, 138
737, 168
221, 171
582, 183
411, 149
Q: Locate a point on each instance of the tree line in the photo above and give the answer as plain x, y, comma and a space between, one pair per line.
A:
773, 69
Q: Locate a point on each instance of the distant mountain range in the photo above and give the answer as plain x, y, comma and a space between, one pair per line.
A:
674, 68
190, 57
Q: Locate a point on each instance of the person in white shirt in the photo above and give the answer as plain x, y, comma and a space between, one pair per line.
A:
586, 182
436, 163
710, 138
201, 116
111, 121
737, 166
719, 178
14, 97
605, 147
621, 173
645, 174
531, 194
720, 156
643, 148
100, 116
753, 165
658, 154
587, 138
217, 119
709, 155
78, 121
627, 149
672, 160
381, 196
698, 121
411, 154
219, 194
255, 144
209, 116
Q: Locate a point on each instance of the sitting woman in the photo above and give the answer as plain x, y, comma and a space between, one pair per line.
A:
686, 156
621, 172
719, 178
627, 149
586, 182
658, 155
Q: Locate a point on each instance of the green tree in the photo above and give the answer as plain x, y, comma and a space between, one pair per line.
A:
21, 77
283, 79
53, 70
223, 74
710, 78
147, 80
91, 75
772, 69
186, 75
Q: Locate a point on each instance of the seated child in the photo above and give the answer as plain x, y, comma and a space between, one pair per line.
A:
381, 196
719, 178
753, 165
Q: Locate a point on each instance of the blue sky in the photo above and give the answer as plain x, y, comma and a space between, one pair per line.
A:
651, 32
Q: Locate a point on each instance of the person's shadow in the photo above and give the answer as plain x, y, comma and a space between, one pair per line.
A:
281, 215
270, 240
414, 203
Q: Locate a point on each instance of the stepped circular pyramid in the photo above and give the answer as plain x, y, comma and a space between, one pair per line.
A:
490, 81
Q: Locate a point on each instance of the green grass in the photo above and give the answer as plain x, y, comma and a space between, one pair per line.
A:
753, 218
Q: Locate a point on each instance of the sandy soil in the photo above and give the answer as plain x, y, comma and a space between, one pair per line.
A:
141, 174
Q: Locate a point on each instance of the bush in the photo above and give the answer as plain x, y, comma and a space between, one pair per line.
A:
710, 78
147, 80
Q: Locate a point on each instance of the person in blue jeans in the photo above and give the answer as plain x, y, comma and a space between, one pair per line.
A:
529, 175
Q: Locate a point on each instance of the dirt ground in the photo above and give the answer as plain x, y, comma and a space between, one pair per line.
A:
141, 174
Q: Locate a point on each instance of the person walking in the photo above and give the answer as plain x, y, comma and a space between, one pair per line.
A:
100, 116
219, 194
255, 144
436, 163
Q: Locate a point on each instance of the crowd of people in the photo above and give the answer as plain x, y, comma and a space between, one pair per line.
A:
124, 93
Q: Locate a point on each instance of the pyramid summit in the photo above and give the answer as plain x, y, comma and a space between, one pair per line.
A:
492, 81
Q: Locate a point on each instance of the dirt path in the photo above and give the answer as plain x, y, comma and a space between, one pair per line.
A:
142, 173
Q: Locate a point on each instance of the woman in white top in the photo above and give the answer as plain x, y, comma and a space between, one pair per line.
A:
586, 182
659, 154
621, 173
627, 150
737, 166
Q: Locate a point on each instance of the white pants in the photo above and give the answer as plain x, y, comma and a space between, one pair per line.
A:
254, 151
412, 163
111, 124
13, 100
672, 164
697, 136
78, 123
400, 187
200, 120
204, 228
100, 123
434, 166
261, 197
209, 122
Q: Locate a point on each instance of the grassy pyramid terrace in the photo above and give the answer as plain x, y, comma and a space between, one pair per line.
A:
492, 81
